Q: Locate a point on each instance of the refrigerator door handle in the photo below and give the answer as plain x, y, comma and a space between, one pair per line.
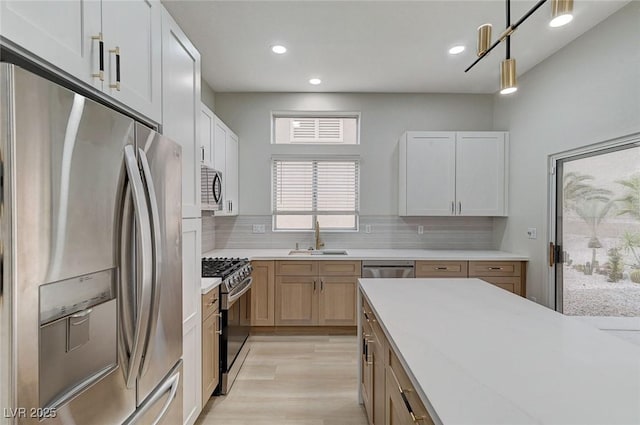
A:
157, 254
170, 386
143, 259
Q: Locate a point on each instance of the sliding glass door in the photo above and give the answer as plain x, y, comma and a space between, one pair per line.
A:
597, 233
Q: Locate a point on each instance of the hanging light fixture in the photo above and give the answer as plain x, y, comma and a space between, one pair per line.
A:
484, 38
508, 81
561, 12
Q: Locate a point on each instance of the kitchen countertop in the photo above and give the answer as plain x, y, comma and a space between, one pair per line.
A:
371, 254
478, 354
210, 283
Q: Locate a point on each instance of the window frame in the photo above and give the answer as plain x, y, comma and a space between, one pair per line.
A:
314, 213
315, 114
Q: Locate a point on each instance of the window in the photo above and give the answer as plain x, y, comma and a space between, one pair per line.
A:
306, 190
315, 128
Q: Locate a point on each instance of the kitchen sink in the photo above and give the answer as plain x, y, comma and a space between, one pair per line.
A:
318, 252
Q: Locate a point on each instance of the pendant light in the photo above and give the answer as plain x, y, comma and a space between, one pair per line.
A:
484, 38
561, 12
508, 81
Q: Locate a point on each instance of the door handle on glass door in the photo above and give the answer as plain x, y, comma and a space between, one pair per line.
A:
144, 286
156, 250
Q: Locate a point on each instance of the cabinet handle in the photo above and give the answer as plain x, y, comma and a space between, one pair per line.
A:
495, 268
407, 405
453, 207
314, 286
441, 268
202, 153
117, 53
100, 73
321, 285
459, 207
219, 331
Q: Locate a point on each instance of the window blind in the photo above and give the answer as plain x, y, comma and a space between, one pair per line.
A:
308, 190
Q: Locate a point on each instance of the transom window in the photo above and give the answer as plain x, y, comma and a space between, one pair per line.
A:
315, 128
310, 190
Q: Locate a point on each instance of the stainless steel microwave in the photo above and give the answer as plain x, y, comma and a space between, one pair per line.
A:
211, 188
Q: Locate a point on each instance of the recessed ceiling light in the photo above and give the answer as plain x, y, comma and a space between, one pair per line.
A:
455, 50
315, 81
278, 49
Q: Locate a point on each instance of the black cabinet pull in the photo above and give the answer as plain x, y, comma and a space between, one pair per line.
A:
100, 73
117, 53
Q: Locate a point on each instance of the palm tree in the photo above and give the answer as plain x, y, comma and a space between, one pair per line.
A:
576, 188
630, 202
592, 211
631, 241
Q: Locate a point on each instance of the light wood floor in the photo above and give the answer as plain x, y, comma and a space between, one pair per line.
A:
292, 380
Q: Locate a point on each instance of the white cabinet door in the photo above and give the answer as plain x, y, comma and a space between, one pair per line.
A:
481, 173
231, 167
220, 147
181, 107
207, 130
427, 173
192, 320
58, 32
134, 29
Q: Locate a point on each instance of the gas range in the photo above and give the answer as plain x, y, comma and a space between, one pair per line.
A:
234, 272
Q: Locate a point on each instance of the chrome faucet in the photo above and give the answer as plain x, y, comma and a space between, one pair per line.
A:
319, 243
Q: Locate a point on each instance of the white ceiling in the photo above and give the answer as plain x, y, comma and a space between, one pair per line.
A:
368, 46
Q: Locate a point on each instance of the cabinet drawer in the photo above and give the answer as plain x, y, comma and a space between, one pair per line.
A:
441, 268
296, 268
494, 268
511, 284
210, 303
402, 392
339, 268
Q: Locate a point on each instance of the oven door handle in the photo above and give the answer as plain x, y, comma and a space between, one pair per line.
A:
232, 299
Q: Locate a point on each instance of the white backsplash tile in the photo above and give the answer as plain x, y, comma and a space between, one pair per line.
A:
386, 232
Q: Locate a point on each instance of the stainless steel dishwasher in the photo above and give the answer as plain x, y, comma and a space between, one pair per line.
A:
387, 268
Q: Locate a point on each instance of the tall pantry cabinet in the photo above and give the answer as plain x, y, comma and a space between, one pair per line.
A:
181, 114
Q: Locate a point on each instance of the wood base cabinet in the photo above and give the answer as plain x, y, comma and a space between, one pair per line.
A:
309, 293
210, 344
509, 275
387, 394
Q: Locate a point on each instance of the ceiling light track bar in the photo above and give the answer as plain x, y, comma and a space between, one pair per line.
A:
508, 31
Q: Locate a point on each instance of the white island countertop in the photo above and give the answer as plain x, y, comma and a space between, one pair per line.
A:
372, 254
480, 355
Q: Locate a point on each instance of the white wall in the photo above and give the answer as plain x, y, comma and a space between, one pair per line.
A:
383, 119
207, 95
586, 93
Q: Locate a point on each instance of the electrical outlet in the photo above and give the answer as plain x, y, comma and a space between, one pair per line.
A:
258, 228
367, 228
420, 229
532, 233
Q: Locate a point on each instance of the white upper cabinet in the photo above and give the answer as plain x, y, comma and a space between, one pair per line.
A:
181, 107
225, 160
68, 34
58, 32
449, 173
207, 130
481, 172
131, 29
428, 175
231, 164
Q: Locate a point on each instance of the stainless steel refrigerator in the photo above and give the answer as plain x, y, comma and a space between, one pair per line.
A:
91, 296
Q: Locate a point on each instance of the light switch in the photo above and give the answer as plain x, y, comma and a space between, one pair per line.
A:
258, 228
532, 233
420, 229
367, 228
